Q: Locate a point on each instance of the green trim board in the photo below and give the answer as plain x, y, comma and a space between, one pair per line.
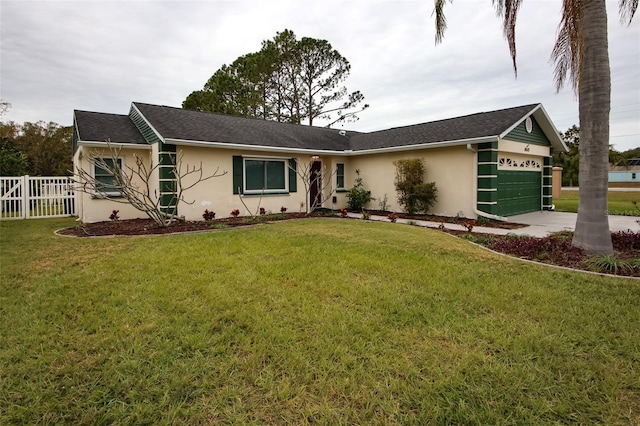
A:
167, 179
487, 181
147, 132
547, 184
535, 137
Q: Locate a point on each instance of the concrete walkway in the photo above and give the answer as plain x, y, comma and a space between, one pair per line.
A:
540, 224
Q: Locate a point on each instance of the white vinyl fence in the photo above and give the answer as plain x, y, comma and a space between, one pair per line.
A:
24, 197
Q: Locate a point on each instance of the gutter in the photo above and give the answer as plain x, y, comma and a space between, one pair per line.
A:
239, 146
99, 144
344, 153
475, 190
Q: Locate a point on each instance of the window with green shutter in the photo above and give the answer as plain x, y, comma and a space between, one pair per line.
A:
265, 176
105, 181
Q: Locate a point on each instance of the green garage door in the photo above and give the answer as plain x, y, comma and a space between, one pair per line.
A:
519, 192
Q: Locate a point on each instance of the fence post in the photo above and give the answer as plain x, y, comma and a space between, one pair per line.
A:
25, 197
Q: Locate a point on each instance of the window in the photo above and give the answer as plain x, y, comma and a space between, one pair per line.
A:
633, 176
262, 175
270, 175
105, 182
339, 176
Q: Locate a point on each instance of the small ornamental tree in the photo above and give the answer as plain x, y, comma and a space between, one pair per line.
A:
135, 184
321, 179
414, 194
357, 196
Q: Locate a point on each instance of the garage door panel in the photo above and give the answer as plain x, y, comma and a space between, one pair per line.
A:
519, 192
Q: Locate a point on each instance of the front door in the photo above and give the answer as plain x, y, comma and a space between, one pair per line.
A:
315, 185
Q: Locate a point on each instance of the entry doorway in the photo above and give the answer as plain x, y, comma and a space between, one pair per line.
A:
315, 184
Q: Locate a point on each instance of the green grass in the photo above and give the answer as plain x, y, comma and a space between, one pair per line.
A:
620, 202
323, 321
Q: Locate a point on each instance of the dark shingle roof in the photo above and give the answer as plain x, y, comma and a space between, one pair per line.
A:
177, 123
100, 127
187, 125
467, 127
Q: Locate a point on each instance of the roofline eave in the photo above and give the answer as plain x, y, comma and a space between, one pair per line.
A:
345, 153
430, 145
103, 144
232, 145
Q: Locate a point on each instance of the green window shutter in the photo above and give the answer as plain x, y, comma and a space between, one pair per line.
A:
237, 174
340, 176
293, 176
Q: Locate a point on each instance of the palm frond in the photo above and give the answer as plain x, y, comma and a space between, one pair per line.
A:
441, 20
508, 11
568, 50
627, 10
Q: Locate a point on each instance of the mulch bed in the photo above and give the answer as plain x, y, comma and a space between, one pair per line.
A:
149, 227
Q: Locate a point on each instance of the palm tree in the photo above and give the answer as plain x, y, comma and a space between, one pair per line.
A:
581, 52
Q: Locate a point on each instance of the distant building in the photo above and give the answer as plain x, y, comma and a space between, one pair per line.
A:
626, 174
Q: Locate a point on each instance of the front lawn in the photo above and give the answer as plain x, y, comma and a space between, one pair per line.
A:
307, 321
622, 203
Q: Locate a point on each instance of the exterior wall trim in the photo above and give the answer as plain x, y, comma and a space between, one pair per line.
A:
345, 153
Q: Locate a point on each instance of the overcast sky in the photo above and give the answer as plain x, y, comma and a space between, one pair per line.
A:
57, 56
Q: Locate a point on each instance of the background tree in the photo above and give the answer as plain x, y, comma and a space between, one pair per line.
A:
46, 146
12, 161
581, 53
288, 80
569, 161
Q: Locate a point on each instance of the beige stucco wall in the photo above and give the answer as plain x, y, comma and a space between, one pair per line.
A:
217, 195
90, 209
452, 169
507, 146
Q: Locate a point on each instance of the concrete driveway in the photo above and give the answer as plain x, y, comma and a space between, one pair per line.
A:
543, 223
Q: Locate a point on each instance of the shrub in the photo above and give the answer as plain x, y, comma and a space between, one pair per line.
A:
263, 211
114, 215
538, 248
208, 215
625, 240
469, 224
357, 196
383, 204
612, 264
414, 194
235, 213
283, 209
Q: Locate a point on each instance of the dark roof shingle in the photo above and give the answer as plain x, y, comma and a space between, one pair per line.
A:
187, 125
100, 127
472, 126
178, 123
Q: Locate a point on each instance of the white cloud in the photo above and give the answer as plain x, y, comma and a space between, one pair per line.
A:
57, 56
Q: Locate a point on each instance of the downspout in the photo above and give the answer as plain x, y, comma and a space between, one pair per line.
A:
475, 190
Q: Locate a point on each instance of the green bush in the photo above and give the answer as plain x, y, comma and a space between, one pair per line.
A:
357, 196
414, 194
